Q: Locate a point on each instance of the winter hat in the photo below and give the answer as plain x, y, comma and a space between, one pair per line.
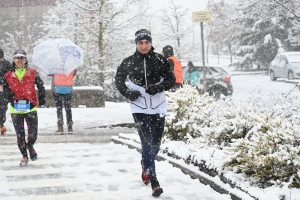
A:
19, 53
167, 51
143, 34
1, 53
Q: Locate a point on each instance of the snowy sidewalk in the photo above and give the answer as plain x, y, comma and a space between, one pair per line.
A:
95, 135
91, 171
86, 165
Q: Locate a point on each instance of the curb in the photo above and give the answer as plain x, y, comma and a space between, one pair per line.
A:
101, 134
128, 125
287, 81
250, 73
194, 175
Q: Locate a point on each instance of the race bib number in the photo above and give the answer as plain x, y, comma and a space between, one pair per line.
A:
1, 88
22, 106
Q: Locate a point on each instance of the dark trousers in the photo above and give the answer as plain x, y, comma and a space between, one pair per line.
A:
67, 100
150, 129
32, 127
3, 109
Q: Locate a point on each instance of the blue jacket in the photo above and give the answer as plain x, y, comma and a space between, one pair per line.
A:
192, 77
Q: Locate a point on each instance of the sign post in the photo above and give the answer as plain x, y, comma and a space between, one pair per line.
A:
202, 16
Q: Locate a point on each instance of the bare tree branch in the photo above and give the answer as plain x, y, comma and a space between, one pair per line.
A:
290, 10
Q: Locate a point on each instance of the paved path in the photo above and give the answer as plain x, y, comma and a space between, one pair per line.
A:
90, 135
104, 171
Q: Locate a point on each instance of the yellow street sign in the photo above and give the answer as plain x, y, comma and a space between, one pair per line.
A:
202, 16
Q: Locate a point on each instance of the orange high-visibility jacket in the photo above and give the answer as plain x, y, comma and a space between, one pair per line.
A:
177, 70
64, 80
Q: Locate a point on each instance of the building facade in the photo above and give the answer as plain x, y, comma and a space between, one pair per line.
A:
20, 18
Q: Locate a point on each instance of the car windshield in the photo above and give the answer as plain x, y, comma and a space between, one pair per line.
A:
294, 58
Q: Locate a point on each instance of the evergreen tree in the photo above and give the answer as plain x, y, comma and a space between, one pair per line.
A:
267, 26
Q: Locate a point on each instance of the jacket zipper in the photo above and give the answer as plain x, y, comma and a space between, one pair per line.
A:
147, 96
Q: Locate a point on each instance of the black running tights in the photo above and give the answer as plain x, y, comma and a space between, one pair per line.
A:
32, 127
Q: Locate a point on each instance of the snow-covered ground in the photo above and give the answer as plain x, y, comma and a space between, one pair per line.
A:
110, 171
91, 171
88, 171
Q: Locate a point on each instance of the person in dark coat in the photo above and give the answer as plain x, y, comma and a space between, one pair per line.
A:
175, 64
5, 67
20, 83
149, 75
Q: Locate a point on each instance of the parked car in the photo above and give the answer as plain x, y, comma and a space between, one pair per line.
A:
218, 81
285, 65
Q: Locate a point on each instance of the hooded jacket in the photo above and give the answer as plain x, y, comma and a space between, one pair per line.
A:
192, 76
142, 70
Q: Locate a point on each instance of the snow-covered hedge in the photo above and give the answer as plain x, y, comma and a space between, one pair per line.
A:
260, 134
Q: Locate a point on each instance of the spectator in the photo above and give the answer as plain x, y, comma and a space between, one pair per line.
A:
62, 86
192, 76
149, 76
20, 83
175, 64
5, 67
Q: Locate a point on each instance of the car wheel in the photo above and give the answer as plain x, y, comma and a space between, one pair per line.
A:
290, 75
216, 92
272, 76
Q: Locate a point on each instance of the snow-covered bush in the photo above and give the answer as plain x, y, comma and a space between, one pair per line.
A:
269, 152
259, 133
200, 116
186, 110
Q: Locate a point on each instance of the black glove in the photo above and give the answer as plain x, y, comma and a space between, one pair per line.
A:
154, 89
132, 95
42, 102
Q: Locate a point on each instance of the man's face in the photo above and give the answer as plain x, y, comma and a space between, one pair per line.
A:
20, 61
143, 46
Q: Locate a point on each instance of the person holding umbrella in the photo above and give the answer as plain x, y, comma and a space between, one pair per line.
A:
149, 76
59, 58
62, 92
20, 84
5, 67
